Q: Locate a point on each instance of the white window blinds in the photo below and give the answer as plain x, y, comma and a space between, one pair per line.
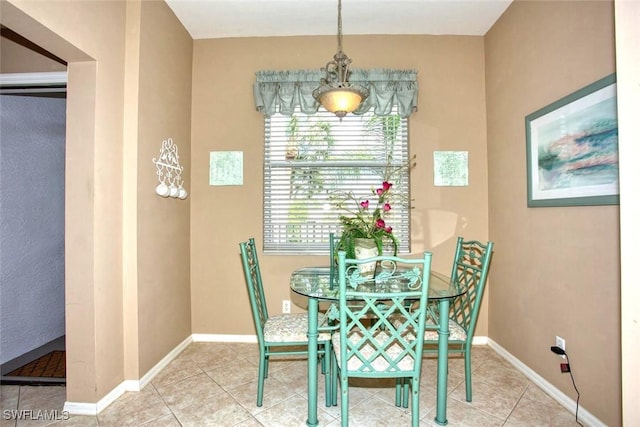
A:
310, 160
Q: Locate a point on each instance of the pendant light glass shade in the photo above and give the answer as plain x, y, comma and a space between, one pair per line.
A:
339, 99
335, 93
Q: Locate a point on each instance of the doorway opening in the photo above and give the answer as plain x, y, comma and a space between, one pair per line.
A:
32, 194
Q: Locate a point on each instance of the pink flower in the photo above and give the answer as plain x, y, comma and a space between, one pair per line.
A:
380, 223
386, 186
387, 207
388, 229
365, 204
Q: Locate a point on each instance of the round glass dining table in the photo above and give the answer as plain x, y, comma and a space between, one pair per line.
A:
321, 284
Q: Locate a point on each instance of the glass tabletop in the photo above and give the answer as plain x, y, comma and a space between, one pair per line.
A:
315, 282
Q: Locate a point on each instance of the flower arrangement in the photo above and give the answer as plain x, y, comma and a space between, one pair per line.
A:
366, 219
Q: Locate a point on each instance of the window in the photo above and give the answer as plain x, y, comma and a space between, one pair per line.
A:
309, 160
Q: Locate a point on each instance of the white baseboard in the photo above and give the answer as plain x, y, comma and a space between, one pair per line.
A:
80, 408
480, 340
146, 378
224, 338
584, 416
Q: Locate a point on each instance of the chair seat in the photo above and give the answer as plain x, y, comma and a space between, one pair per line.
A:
380, 363
289, 327
456, 333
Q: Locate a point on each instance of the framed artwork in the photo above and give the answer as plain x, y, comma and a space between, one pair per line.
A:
572, 149
225, 168
451, 168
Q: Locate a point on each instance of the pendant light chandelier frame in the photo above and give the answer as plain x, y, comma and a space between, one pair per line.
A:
336, 93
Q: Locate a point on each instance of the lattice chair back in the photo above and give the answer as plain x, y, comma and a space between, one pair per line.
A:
254, 286
377, 335
470, 270
279, 335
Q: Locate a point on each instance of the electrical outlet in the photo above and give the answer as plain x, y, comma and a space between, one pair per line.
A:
560, 342
286, 306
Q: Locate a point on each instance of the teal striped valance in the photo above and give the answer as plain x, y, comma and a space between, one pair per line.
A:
283, 91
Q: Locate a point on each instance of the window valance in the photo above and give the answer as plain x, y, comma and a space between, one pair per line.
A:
283, 91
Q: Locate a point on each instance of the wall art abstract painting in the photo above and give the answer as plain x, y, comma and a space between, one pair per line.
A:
572, 149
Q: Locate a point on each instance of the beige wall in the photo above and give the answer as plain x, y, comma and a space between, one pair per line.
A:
556, 270
104, 277
164, 309
451, 116
157, 308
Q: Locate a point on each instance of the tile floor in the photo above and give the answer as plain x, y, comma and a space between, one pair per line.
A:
214, 384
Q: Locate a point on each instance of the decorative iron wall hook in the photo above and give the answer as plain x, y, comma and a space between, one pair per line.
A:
169, 172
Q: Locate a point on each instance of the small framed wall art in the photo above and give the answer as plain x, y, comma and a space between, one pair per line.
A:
225, 168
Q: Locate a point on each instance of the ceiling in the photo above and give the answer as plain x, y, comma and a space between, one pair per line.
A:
206, 19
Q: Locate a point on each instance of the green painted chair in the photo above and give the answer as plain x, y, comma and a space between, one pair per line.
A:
384, 345
280, 335
470, 270
333, 260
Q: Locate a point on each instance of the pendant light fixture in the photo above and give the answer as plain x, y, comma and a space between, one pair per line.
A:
335, 93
